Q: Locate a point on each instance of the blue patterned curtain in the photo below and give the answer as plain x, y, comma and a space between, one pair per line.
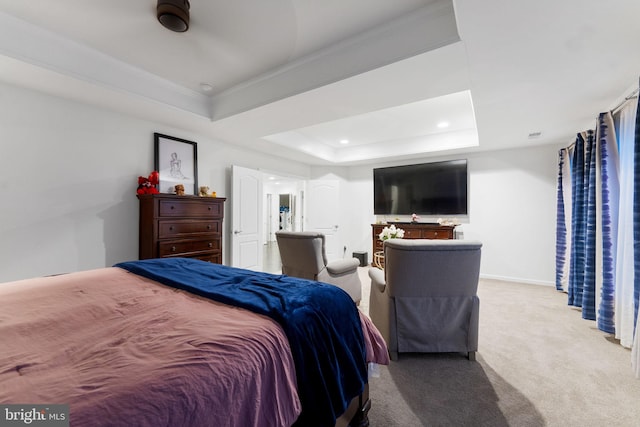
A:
561, 221
578, 224
591, 230
635, 351
636, 213
603, 239
610, 200
594, 256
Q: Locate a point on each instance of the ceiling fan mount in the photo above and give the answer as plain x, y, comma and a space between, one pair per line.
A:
174, 14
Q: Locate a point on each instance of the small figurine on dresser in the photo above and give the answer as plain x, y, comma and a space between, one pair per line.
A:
179, 189
204, 191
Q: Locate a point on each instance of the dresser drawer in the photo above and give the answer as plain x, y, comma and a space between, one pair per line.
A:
413, 233
178, 247
186, 228
215, 257
189, 207
437, 234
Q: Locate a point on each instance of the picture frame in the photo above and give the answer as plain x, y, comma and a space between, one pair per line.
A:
176, 161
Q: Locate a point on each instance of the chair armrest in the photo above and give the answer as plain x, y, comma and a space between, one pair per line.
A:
377, 279
343, 266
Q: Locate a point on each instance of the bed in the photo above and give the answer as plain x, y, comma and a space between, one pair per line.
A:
182, 342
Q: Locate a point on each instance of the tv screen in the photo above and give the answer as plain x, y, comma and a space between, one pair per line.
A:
438, 188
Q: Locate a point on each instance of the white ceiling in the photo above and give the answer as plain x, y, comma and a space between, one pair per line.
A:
295, 77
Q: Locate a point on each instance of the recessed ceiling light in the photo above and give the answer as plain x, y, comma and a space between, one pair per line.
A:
443, 125
344, 141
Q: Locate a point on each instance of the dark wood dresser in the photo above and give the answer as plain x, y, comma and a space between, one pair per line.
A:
412, 230
181, 226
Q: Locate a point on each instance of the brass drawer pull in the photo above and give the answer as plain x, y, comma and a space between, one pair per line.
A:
210, 244
173, 248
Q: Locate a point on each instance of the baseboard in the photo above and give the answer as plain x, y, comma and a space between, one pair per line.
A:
517, 280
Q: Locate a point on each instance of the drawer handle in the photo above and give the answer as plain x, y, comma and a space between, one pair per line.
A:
209, 207
210, 244
436, 233
171, 228
209, 227
171, 207
173, 248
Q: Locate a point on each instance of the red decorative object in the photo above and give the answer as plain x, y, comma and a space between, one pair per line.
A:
148, 185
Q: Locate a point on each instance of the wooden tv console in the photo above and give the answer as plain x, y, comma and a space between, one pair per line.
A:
412, 230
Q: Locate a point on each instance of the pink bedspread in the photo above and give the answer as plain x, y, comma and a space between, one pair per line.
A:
124, 350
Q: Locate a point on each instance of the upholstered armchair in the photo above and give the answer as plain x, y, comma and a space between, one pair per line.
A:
425, 300
303, 255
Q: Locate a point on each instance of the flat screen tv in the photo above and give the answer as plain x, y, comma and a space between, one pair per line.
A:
438, 188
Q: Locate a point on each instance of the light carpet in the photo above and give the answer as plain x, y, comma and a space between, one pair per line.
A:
538, 364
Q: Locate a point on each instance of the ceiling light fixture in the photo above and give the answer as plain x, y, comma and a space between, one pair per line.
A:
344, 141
174, 14
443, 125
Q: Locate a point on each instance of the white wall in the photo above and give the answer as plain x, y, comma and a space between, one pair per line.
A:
512, 199
513, 212
68, 176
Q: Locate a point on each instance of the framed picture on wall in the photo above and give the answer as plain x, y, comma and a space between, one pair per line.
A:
176, 161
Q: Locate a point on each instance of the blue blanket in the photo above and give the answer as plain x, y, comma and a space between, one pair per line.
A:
320, 321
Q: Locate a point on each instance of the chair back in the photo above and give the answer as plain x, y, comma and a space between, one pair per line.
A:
432, 268
302, 253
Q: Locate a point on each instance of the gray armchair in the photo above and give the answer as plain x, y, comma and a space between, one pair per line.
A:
303, 255
425, 300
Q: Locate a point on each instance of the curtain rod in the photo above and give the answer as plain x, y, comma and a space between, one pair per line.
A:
632, 95
570, 146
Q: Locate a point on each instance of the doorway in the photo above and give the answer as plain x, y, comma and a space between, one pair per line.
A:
283, 202
283, 210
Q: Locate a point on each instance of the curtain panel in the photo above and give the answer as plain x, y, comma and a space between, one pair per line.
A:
609, 190
626, 276
563, 235
598, 225
635, 353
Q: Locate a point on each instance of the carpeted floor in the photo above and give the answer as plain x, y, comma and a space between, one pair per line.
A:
539, 364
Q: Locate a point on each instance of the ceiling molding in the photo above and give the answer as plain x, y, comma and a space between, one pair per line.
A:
430, 28
39, 47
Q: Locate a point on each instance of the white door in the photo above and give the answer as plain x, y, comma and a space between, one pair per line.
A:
323, 201
246, 218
